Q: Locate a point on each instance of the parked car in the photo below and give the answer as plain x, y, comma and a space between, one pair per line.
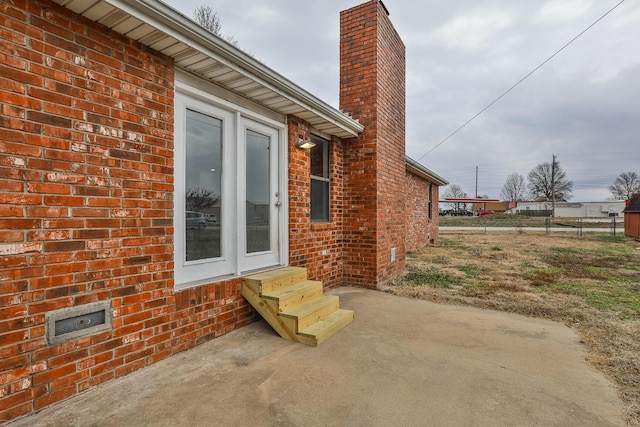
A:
457, 212
461, 212
195, 220
483, 213
211, 218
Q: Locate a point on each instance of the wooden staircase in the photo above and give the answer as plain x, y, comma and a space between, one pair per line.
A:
294, 306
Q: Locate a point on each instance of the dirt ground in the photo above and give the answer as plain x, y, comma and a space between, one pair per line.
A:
591, 283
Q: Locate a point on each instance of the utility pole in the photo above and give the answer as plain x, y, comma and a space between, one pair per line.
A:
553, 187
476, 182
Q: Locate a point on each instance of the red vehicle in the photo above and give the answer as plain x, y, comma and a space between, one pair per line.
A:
483, 213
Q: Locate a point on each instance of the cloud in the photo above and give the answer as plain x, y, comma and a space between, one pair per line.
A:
560, 11
473, 30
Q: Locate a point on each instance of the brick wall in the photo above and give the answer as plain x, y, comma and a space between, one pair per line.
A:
308, 239
86, 184
372, 90
391, 162
421, 230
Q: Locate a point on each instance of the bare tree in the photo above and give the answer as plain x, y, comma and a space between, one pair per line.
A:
625, 185
544, 181
514, 188
454, 191
209, 20
200, 198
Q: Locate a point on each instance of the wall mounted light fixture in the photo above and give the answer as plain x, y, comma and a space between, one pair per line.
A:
305, 145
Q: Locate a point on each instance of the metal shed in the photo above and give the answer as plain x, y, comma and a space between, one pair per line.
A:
632, 217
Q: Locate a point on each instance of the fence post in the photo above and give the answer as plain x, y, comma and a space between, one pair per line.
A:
613, 226
547, 225
579, 227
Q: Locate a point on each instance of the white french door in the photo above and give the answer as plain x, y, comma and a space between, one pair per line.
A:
230, 217
259, 196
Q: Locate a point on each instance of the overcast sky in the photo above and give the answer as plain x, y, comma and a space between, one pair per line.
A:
583, 105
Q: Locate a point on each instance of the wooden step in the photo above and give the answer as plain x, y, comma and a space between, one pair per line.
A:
294, 306
308, 312
274, 279
288, 296
326, 327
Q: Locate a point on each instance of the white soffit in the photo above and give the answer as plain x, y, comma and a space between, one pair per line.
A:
199, 52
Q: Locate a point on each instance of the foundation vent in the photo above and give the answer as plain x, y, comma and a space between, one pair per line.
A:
77, 322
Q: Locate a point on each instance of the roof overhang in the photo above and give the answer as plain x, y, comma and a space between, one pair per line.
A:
424, 173
208, 56
469, 200
633, 204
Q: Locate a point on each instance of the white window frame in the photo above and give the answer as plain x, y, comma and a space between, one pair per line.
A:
230, 264
327, 166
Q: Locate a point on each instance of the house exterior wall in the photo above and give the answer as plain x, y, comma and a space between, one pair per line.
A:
372, 90
86, 210
316, 246
422, 228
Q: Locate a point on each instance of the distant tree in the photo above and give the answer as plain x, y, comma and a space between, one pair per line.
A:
209, 20
514, 188
200, 198
540, 182
454, 191
625, 185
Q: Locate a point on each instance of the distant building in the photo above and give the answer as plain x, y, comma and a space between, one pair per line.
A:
497, 207
604, 209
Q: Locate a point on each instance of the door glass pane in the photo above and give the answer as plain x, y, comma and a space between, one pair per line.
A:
258, 192
203, 186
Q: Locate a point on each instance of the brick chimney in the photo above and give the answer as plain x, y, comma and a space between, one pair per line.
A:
372, 90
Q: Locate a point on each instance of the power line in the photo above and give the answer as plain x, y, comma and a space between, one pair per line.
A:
519, 82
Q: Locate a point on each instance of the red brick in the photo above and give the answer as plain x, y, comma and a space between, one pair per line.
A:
54, 397
22, 372
35, 187
20, 76
50, 305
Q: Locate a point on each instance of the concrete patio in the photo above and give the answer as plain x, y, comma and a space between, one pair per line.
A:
402, 362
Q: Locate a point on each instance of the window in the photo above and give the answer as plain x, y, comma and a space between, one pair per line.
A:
320, 180
429, 198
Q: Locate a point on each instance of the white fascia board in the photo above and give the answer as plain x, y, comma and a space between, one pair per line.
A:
417, 169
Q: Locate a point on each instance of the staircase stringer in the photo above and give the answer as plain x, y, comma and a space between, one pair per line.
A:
269, 314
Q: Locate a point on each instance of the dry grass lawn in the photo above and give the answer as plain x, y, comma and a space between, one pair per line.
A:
590, 283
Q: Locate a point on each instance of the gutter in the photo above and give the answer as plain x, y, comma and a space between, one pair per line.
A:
423, 172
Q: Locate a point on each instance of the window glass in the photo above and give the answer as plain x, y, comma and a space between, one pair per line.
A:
258, 192
430, 204
320, 159
203, 189
319, 200
320, 179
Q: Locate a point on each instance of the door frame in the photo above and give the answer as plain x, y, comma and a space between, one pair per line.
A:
189, 88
